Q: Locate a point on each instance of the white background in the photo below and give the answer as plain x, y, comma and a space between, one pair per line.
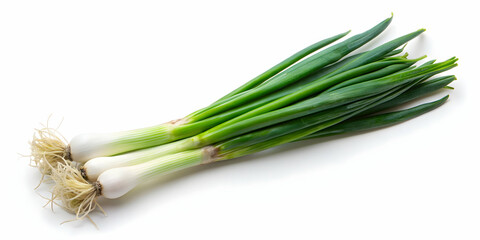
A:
115, 65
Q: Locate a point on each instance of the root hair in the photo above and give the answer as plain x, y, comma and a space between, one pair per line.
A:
75, 194
48, 148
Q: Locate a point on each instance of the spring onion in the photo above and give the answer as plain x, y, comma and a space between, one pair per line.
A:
79, 195
96, 166
116, 181
312, 94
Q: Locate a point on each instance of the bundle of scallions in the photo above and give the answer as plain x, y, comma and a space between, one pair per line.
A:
314, 93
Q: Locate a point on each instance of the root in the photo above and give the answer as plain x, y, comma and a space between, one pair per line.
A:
48, 148
75, 194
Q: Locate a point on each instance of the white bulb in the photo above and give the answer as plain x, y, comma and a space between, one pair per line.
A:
117, 181
84, 147
96, 166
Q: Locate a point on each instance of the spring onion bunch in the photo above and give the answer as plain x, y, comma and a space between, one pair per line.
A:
312, 94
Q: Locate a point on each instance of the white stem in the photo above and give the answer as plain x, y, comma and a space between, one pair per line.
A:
118, 181
84, 147
94, 167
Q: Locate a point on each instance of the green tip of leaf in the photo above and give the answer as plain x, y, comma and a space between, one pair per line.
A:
444, 99
419, 58
448, 87
345, 33
389, 19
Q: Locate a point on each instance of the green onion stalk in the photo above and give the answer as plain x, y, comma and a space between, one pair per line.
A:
200, 140
242, 125
342, 110
312, 94
48, 147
